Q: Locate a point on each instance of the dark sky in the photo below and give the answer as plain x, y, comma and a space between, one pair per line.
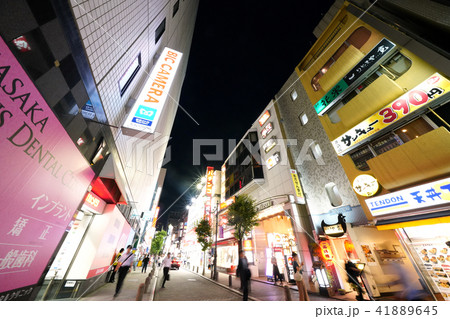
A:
242, 52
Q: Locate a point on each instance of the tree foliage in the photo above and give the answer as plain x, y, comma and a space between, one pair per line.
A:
243, 216
157, 242
204, 234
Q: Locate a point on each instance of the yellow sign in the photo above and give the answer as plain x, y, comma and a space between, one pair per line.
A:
297, 186
365, 185
425, 93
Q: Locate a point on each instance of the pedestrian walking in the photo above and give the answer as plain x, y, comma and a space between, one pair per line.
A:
353, 274
298, 277
145, 262
114, 265
276, 271
243, 272
166, 263
123, 267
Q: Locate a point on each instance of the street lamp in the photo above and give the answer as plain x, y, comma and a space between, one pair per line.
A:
215, 249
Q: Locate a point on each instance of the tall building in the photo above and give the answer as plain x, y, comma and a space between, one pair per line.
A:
89, 94
379, 86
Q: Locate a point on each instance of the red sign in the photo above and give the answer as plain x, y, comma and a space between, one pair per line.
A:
209, 180
94, 202
264, 118
326, 251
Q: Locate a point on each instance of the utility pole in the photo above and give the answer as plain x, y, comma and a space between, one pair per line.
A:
215, 249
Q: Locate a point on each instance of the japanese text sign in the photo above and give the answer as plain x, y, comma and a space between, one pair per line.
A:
209, 180
297, 186
147, 109
264, 118
423, 94
427, 195
378, 53
43, 177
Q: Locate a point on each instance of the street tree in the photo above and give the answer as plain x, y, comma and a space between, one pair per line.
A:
158, 242
204, 237
243, 216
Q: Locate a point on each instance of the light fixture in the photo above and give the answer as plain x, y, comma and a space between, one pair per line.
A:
192, 199
188, 207
203, 180
199, 186
404, 130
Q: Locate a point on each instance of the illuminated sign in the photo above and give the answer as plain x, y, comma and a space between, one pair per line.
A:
155, 217
366, 185
266, 130
227, 203
264, 205
424, 196
424, 94
273, 160
247, 244
297, 186
336, 230
264, 118
147, 109
209, 180
270, 144
94, 203
327, 254
366, 65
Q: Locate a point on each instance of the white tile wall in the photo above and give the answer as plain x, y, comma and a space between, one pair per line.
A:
114, 32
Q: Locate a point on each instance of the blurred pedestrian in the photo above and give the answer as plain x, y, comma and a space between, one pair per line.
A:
243, 272
145, 262
276, 271
298, 277
166, 263
123, 267
353, 273
409, 291
114, 264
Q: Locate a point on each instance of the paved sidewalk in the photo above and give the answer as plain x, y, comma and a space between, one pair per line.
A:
128, 292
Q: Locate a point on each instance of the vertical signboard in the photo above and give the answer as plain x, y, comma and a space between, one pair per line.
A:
43, 179
147, 109
297, 186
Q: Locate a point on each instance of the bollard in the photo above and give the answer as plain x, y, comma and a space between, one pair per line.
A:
140, 292
197, 269
147, 283
287, 293
152, 273
230, 281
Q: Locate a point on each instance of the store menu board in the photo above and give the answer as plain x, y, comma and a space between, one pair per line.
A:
436, 260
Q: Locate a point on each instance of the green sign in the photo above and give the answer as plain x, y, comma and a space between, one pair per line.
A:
331, 95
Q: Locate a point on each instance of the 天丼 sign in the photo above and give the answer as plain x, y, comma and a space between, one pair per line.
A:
380, 52
424, 94
43, 177
147, 109
420, 197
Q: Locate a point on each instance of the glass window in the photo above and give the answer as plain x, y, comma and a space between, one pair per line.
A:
294, 95
357, 39
413, 130
396, 66
160, 30
303, 118
130, 74
361, 156
176, 6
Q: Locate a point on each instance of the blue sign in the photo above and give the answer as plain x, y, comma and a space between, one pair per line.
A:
145, 112
140, 121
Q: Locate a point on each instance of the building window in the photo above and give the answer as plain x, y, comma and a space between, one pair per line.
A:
160, 30
129, 74
176, 6
404, 134
294, 95
303, 118
358, 38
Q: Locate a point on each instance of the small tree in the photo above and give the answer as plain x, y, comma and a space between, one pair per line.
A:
243, 217
158, 242
204, 234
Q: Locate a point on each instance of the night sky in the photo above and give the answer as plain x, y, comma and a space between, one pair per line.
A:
242, 53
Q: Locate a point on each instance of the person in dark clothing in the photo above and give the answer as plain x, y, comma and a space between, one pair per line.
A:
145, 263
114, 264
243, 273
353, 273
124, 264
276, 271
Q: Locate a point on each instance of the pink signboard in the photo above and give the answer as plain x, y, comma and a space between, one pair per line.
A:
43, 177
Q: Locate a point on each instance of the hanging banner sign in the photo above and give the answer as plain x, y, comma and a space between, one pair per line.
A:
297, 186
424, 94
147, 109
376, 56
209, 180
424, 196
